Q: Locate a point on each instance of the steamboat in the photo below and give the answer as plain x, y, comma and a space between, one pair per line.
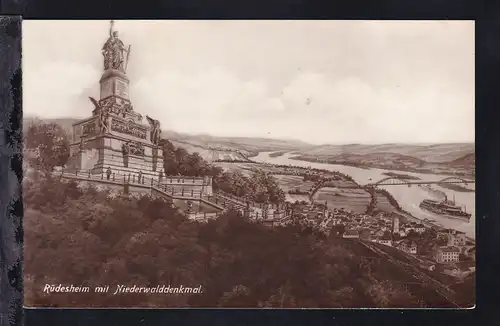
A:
445, 208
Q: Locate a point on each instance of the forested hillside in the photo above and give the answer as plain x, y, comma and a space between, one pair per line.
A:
147, 242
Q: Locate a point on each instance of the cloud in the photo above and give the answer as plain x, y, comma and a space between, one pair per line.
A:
311, 106
371, 82
213, 101
60, 89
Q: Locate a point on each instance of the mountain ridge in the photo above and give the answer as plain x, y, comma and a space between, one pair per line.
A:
461, 153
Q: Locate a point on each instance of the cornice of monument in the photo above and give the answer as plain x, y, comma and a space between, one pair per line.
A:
113, 73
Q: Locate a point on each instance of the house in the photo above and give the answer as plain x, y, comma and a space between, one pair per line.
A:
456, 239
419, 228
402, 233
385, 240
410, 229
442, 235
335, 221
448, 254
364, 234
408, 247
460, 270
350, 234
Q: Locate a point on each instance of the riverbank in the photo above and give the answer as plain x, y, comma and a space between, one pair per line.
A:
277, 154
392, 167
401, 176
455, 187
408, 198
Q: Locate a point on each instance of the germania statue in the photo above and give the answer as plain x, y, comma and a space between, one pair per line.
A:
114, 52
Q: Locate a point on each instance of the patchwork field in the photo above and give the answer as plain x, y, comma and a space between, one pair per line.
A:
291, 182
356, 200
210, 154
341, 184
244, 168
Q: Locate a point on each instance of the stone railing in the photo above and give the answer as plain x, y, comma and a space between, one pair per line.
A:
202, 217
219, 199
145, 182
133, 179
182, 180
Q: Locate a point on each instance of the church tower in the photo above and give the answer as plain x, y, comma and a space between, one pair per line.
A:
115, 136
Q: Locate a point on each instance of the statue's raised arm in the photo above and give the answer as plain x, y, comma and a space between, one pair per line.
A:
111, 25
114, 51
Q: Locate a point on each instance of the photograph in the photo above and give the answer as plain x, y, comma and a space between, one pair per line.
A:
300, 164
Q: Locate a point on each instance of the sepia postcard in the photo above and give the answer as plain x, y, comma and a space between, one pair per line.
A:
249, 164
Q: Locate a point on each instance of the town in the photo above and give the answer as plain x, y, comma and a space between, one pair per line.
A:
428, 246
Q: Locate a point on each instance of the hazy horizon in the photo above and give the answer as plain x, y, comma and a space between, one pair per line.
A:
287, 139
319, 82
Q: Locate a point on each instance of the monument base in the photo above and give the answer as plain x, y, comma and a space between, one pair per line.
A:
99, 153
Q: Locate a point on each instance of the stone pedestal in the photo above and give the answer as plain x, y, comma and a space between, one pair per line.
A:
115, 136
103, 151
114, 83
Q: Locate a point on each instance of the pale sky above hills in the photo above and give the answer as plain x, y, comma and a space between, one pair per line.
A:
317, 81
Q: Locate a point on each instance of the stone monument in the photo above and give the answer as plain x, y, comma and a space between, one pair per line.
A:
116, 136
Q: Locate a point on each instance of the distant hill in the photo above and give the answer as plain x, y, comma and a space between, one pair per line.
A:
248, 144
428, 153
460, 155
466, 160
438, 158
210, 147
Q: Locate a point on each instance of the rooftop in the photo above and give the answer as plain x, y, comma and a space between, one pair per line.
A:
351, 232
449, 249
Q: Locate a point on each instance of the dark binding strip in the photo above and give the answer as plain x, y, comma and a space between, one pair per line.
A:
11, 234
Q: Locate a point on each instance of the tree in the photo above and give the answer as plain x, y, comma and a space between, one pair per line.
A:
48, 144
387, 295
144, 241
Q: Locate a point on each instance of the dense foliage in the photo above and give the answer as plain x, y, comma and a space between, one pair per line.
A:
90, 237
259, 187
147, 242
177, 161
46, 145
370, 209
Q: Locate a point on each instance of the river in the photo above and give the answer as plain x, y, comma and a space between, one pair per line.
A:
409, 198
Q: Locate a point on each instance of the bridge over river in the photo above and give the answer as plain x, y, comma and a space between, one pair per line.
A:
393, 181
335, 182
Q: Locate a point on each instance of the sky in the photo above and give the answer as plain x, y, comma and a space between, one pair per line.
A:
317, 81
